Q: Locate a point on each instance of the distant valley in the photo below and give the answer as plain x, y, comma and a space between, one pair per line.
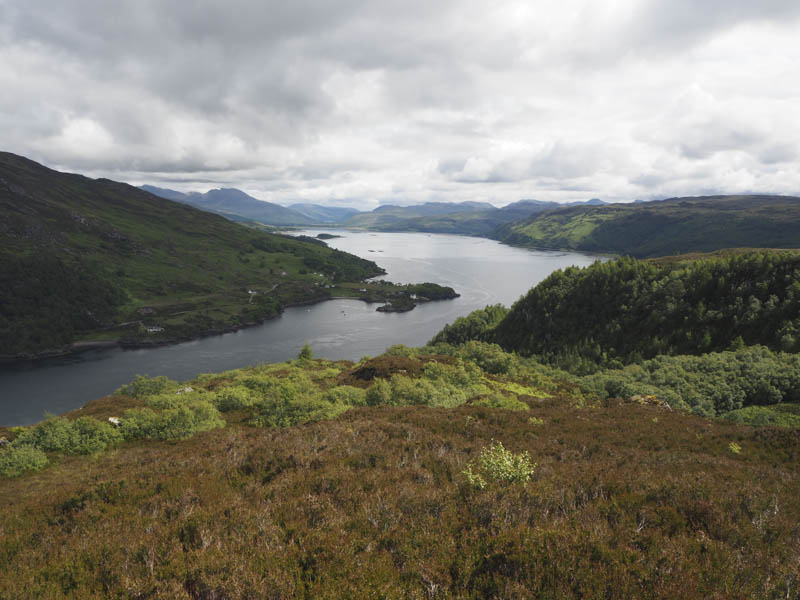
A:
641, 229
85, 260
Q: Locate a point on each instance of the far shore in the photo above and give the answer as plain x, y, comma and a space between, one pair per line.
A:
76, 348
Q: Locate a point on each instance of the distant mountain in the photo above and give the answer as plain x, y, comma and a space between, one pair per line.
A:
82, 257
165, 193
230, 201
672, 226
324, 214
466, 218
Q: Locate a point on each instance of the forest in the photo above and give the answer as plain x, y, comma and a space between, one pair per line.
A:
624, 311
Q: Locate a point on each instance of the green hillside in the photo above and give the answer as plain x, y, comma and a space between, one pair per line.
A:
465, 218
324, 214
448, 472
95, 259
626, 310
236, 205
415, 217
674, 226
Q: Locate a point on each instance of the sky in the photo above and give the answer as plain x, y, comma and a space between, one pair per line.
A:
369, 102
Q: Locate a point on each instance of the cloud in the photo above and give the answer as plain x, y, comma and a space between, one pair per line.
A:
401, 102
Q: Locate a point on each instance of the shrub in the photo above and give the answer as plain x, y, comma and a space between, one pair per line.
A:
711, 384
16, 461
780, 415
379, 393
170, 424
347, 395
489, 357
145, 386
497, 400
82, 436
235, 397
306, 353
498, 465
91, 435
401, 350
461, 374
284, 412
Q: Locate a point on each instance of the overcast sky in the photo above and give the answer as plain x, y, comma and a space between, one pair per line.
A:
363, 102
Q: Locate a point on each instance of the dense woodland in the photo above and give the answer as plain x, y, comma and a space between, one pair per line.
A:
623, 311
44, 302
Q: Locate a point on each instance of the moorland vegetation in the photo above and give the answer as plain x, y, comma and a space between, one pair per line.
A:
443, 472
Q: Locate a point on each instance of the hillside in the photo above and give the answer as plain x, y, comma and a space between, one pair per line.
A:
673, 226
233, 203
95, 259
467, 473
465, 218
392, 218
324, 214
624, 311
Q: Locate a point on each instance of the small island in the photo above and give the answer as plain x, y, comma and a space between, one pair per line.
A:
327, 236
395, 297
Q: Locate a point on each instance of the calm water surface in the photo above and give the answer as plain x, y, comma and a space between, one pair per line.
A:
482, 271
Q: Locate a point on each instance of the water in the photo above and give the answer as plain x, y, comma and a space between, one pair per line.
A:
482, 271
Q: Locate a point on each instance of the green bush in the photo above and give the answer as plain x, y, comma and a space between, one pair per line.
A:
280, 411
710, 384
170, 424
145, 386
82, 436
489, 357
498, 465
16, 461
400, 350
235, 397
347, 395
379, 394
497, 400
782, 415
461, 374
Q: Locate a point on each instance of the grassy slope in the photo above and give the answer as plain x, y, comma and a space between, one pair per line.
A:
193, 268
626, 501
672, 226
477, 222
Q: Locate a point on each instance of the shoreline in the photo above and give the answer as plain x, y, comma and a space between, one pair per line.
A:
77, 348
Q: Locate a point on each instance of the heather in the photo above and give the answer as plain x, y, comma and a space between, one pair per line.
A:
440, 472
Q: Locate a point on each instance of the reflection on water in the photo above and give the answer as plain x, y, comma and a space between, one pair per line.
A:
482, 271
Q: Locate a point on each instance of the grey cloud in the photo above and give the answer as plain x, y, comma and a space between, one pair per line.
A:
384, 101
